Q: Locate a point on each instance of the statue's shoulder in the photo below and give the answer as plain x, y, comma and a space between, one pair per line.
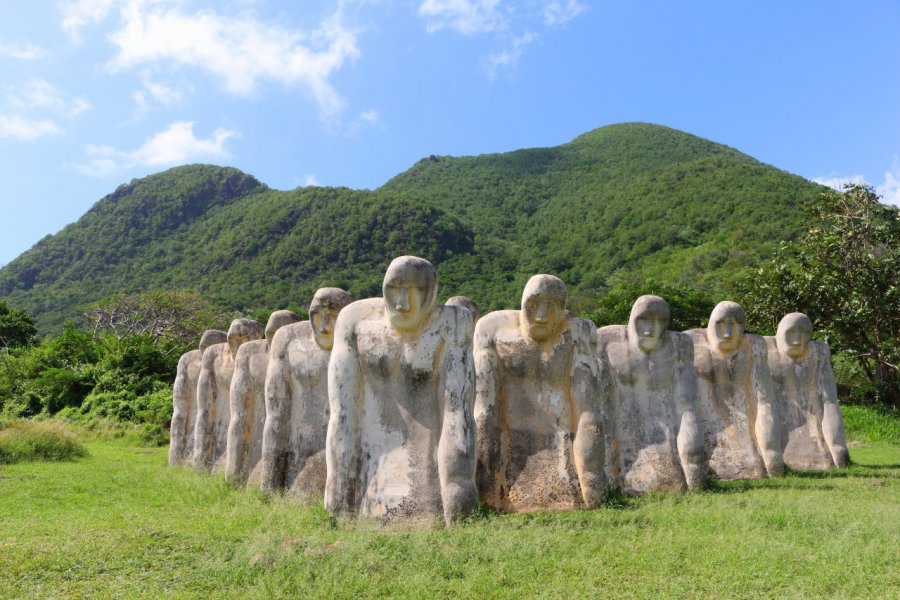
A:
612, 334
213, 353
498, 319
251, 349
288, 333
361, 310
698, 336
681, 341
582, 330
821, 351
188, 358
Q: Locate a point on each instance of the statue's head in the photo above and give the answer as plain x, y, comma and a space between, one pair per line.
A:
323, 311
210, 337
242, 330
467, 303
410, 292
726, 327
543, 306
793, 335
279, 319
648, 322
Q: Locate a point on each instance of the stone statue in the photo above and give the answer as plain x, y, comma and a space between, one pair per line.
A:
213, 396
466, 303
656, 437
248, 403
293, 448
735, 399
812, 427
401, 438
184, 400
538, 406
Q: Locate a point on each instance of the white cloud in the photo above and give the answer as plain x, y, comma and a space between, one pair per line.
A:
20, 128
154, 93
21, 51
890, 189
311, 180
838, 182
242, 52
370, 116
41, 94
508, 57
175, 145
465, 16
80, 13
558, 13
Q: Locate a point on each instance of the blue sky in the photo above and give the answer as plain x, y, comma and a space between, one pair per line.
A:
94, 93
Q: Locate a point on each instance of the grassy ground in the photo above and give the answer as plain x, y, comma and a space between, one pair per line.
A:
119, 523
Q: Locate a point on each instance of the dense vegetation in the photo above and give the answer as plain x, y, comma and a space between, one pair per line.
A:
616, 206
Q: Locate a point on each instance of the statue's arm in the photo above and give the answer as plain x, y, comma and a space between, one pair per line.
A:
237, 399
456, 450
487, 412
344, 401
178, 428
767, 426
278, 405
588, 446
206, 398
690, 429
832, 419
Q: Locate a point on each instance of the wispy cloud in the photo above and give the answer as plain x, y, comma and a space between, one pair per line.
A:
838, 182
154, 93
79, 13
559, 13
41, 94
21, 51
241, 52
889, 189
311, 180
175, 145
465, 16
23, 129
508, 57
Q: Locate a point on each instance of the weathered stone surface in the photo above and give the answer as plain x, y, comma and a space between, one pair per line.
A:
293, 449
248, 403
467, 303
184, 400
401, 437
735, 399
537, 407
812, 427
213, 396
656, 441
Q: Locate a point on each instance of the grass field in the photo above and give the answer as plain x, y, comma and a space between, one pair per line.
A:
119, 523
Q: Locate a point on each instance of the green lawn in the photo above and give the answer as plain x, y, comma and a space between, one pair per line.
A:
119, 523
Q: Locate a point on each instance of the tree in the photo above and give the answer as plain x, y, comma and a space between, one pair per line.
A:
844, 273
17, 328
688, 307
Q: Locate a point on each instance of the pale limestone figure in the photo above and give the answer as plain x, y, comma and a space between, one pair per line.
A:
656, 438
184, 400
734, 396
467, 303
213, 396
248, 403
293, 451
401, 437
812, 427
538, 409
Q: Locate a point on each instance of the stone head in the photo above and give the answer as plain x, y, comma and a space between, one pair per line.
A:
279, 319
648, 322
467, 303
793, 335
242, 330
210, 337
323, 311
726, 327
410, 292
543, 306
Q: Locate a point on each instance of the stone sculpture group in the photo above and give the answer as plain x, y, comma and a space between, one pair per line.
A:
402, 408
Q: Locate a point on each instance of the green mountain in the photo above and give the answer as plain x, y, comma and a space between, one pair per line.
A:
622, 202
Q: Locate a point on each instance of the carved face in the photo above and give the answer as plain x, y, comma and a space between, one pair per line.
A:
726, 327
543, 306
648, 322
323, 312
793, 335
241, 331
410, 289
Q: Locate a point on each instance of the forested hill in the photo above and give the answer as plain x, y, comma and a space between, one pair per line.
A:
624, 201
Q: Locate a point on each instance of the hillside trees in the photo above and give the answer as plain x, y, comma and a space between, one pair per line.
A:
844, 272
17, 328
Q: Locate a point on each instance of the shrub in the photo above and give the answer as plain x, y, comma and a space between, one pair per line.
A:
872, 423
23, 440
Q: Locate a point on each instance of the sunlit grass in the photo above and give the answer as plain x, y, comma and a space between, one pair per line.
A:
23, 440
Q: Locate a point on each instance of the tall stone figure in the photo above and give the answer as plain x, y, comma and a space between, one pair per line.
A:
213, 396
467, 303
184, 400
293, 449
538, 405
248, 403
656, 440
401, 438
812, 427
734, 396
